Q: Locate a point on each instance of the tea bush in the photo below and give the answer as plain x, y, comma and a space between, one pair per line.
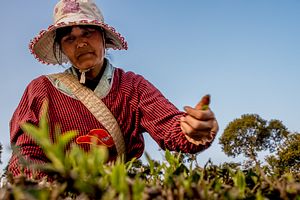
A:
81, 175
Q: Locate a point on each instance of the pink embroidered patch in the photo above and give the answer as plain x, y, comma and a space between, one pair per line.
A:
71, 6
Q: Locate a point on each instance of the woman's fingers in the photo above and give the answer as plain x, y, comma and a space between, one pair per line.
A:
197, 135
204, 103
199, 114
198, 125
199, 130
215, 127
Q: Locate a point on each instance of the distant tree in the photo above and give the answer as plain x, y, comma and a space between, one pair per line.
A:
231, 165
251, 134
287, 158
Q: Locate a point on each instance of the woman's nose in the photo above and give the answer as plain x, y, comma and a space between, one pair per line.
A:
81, 44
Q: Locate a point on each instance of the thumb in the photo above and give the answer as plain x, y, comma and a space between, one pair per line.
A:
204, 103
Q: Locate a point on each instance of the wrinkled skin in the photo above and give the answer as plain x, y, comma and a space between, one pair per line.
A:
85, 49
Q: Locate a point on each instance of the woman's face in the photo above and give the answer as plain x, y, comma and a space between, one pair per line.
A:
84, 46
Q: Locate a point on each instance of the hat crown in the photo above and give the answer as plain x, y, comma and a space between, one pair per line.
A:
67, 11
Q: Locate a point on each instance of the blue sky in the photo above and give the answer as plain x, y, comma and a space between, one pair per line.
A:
244, 53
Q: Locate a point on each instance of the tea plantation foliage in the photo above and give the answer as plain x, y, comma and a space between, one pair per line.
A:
80, 175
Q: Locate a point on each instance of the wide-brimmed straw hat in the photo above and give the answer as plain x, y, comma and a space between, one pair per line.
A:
70, 13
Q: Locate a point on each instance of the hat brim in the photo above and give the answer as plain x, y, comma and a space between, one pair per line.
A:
42, 45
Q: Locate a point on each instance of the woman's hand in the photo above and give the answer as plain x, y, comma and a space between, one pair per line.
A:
200, 124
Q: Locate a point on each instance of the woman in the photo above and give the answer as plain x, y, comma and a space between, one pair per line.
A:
130, 104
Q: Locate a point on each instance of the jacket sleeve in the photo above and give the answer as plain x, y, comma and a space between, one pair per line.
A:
161, 119
24, 147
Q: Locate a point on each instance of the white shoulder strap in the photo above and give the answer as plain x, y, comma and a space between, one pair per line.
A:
95, 105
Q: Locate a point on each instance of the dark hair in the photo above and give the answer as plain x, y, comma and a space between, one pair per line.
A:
62, 32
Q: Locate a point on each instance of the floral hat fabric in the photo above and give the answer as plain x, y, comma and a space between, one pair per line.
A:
70, 13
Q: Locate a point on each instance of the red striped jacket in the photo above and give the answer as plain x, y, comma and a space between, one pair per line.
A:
136, 104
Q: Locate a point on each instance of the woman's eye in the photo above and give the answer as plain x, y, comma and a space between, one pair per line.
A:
68, 39
87, 33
